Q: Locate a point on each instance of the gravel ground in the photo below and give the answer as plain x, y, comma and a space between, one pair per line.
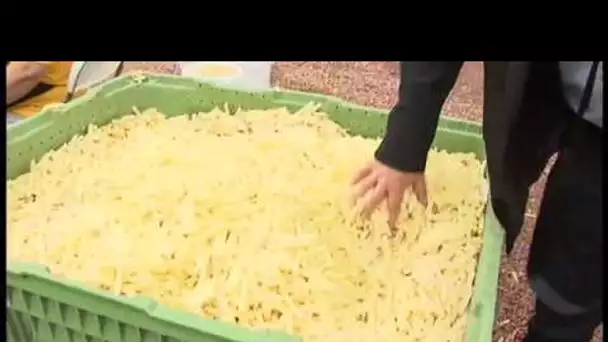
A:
158, 67
375, 84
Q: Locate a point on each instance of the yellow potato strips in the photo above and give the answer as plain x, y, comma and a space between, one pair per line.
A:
246, 218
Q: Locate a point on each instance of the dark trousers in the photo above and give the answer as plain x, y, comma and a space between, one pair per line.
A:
566, 257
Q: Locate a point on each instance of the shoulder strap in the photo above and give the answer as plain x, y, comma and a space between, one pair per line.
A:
77, 73
588, 91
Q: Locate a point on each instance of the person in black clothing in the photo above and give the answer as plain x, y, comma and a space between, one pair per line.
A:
532, 110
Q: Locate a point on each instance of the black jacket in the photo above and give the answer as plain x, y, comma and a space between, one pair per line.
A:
524, 116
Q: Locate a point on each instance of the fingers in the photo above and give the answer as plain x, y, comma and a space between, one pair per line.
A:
362, 173
393, 206
373, 200
420, 191
363, 186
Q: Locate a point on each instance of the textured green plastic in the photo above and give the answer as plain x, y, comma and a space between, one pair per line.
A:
45, 308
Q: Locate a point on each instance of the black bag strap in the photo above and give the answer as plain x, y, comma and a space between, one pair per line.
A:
70, 94
588, 91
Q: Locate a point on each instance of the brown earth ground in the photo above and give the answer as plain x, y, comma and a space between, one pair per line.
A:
375, 84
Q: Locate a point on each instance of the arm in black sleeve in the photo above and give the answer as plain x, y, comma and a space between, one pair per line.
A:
413, 121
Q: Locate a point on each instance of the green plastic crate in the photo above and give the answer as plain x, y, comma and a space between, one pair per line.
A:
43, 307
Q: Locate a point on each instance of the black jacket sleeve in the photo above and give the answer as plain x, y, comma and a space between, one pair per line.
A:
413, 121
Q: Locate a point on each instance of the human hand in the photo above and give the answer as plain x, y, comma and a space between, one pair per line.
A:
377, 182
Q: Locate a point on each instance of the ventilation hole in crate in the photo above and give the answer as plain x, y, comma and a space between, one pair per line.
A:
477, 310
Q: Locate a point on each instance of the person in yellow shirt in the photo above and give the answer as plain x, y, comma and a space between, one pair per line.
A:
30, 86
